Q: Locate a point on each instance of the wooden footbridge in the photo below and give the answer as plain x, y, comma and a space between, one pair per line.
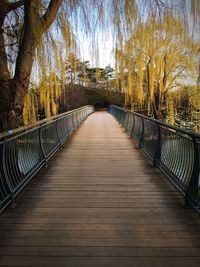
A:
99, 202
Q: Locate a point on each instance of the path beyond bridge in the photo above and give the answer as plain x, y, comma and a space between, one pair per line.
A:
100, 203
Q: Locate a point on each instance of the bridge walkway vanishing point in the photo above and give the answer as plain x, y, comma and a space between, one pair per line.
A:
99, 203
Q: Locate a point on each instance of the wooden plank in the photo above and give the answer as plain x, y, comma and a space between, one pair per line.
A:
99, 251
106, 242
21, 225
30, 261
99, 203
100, 234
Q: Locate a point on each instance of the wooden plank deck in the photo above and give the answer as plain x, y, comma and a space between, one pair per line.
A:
100, 203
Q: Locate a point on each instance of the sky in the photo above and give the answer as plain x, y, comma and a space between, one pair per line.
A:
105, 57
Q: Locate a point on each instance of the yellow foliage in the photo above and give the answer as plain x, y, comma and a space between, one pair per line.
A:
29, 111
97, 74
139, 85
170, 112
151, 78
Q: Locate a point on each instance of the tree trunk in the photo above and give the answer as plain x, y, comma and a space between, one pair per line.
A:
13, 91
5, 97
157, 112
12, 95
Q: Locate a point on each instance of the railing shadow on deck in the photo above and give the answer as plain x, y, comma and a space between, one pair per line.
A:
25, 150
174, 150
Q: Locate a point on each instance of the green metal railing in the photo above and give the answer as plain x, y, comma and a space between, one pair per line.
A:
25, 150
174, 150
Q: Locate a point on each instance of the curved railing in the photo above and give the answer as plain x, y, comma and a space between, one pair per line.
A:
25, 150
174, 150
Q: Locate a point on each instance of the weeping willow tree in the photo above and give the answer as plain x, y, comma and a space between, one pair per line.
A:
32, 27
30, 108
162, 55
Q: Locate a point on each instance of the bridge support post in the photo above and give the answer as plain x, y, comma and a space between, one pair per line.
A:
41, 146
156, 158
142, 134
57, 133
127, 122
132, 130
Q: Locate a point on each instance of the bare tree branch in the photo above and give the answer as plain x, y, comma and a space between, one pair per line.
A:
50, 14
15, 5
174, 78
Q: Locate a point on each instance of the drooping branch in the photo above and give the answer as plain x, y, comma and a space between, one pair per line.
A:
175, 77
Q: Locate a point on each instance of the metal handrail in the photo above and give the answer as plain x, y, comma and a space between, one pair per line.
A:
176, 128
6, 134
174, 150
24, 151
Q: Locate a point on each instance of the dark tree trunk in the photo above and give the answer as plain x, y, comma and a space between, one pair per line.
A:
12, 95
157, 112
13, 91
5, 97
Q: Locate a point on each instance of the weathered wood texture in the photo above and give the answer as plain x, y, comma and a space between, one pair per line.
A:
99, 203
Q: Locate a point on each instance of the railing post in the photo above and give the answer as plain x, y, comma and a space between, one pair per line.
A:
79, 118
120, 116
126, 127
142, 134
156, 158
57, 133
133, 126
41, 146
123, 118
73, 122
82, 115
192, 191
67, 120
